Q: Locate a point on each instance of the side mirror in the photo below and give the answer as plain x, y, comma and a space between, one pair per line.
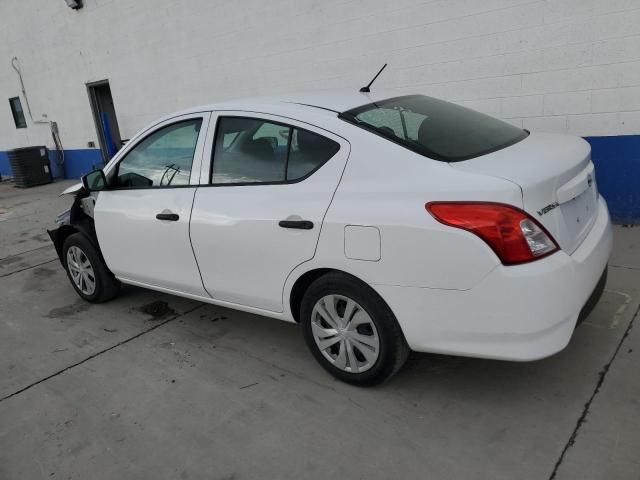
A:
94, 181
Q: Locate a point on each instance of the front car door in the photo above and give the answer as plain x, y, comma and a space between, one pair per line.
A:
270, 184
142, 220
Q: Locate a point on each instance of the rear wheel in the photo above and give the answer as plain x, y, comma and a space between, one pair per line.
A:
351, 331
86, 270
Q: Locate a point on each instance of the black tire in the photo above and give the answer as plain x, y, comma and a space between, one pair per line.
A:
106, 285
393, 348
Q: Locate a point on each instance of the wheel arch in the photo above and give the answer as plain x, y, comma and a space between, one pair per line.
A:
303, 282
59, 235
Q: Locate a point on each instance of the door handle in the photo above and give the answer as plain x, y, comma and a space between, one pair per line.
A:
172, 217
300, 224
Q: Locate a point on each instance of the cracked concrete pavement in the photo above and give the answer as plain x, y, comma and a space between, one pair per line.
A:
155, 386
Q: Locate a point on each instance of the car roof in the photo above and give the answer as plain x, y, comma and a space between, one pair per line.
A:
335, 101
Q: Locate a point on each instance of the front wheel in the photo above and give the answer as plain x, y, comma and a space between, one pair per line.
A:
86, 270
351, 331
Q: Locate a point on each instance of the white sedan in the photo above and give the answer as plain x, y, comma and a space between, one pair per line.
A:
380, 224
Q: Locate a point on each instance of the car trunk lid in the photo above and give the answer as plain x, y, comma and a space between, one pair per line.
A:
555, 174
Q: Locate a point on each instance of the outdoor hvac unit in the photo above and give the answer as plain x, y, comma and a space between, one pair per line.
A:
30, 166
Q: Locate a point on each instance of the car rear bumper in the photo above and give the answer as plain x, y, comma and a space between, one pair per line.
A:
523, 312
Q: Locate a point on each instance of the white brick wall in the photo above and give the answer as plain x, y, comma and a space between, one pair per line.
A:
553, 65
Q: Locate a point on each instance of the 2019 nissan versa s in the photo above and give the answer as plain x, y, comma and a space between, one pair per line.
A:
381, 225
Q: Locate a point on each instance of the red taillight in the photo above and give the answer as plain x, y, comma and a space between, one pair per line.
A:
512, 234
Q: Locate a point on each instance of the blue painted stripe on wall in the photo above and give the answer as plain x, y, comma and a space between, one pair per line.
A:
77, 162
56, 170
617, 163
616, 159
80, 162
5, 168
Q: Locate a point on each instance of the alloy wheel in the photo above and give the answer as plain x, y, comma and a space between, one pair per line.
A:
345, 333
81, 270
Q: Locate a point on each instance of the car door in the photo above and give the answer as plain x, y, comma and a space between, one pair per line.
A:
142, 220
270, 183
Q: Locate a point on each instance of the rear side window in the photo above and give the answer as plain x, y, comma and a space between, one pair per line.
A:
308, 152
435, 128
253, 151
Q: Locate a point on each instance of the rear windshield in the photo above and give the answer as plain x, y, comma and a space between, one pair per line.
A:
435, 128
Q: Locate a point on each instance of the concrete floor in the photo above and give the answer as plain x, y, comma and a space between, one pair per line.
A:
154, 386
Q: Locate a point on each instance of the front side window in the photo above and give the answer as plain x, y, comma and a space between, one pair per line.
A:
250, 150
163, 159
435, 128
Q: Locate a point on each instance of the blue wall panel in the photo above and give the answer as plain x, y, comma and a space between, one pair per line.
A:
82, 161
5, 168
617, 162
56, 170
77, 162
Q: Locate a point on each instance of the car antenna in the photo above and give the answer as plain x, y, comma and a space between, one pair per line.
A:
366, 89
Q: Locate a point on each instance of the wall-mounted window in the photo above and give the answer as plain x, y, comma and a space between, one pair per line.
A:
18, 113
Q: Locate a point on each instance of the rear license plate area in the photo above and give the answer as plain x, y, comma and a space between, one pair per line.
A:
579, 212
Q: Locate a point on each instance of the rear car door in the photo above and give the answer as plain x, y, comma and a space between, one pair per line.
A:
270, 183
142, 221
